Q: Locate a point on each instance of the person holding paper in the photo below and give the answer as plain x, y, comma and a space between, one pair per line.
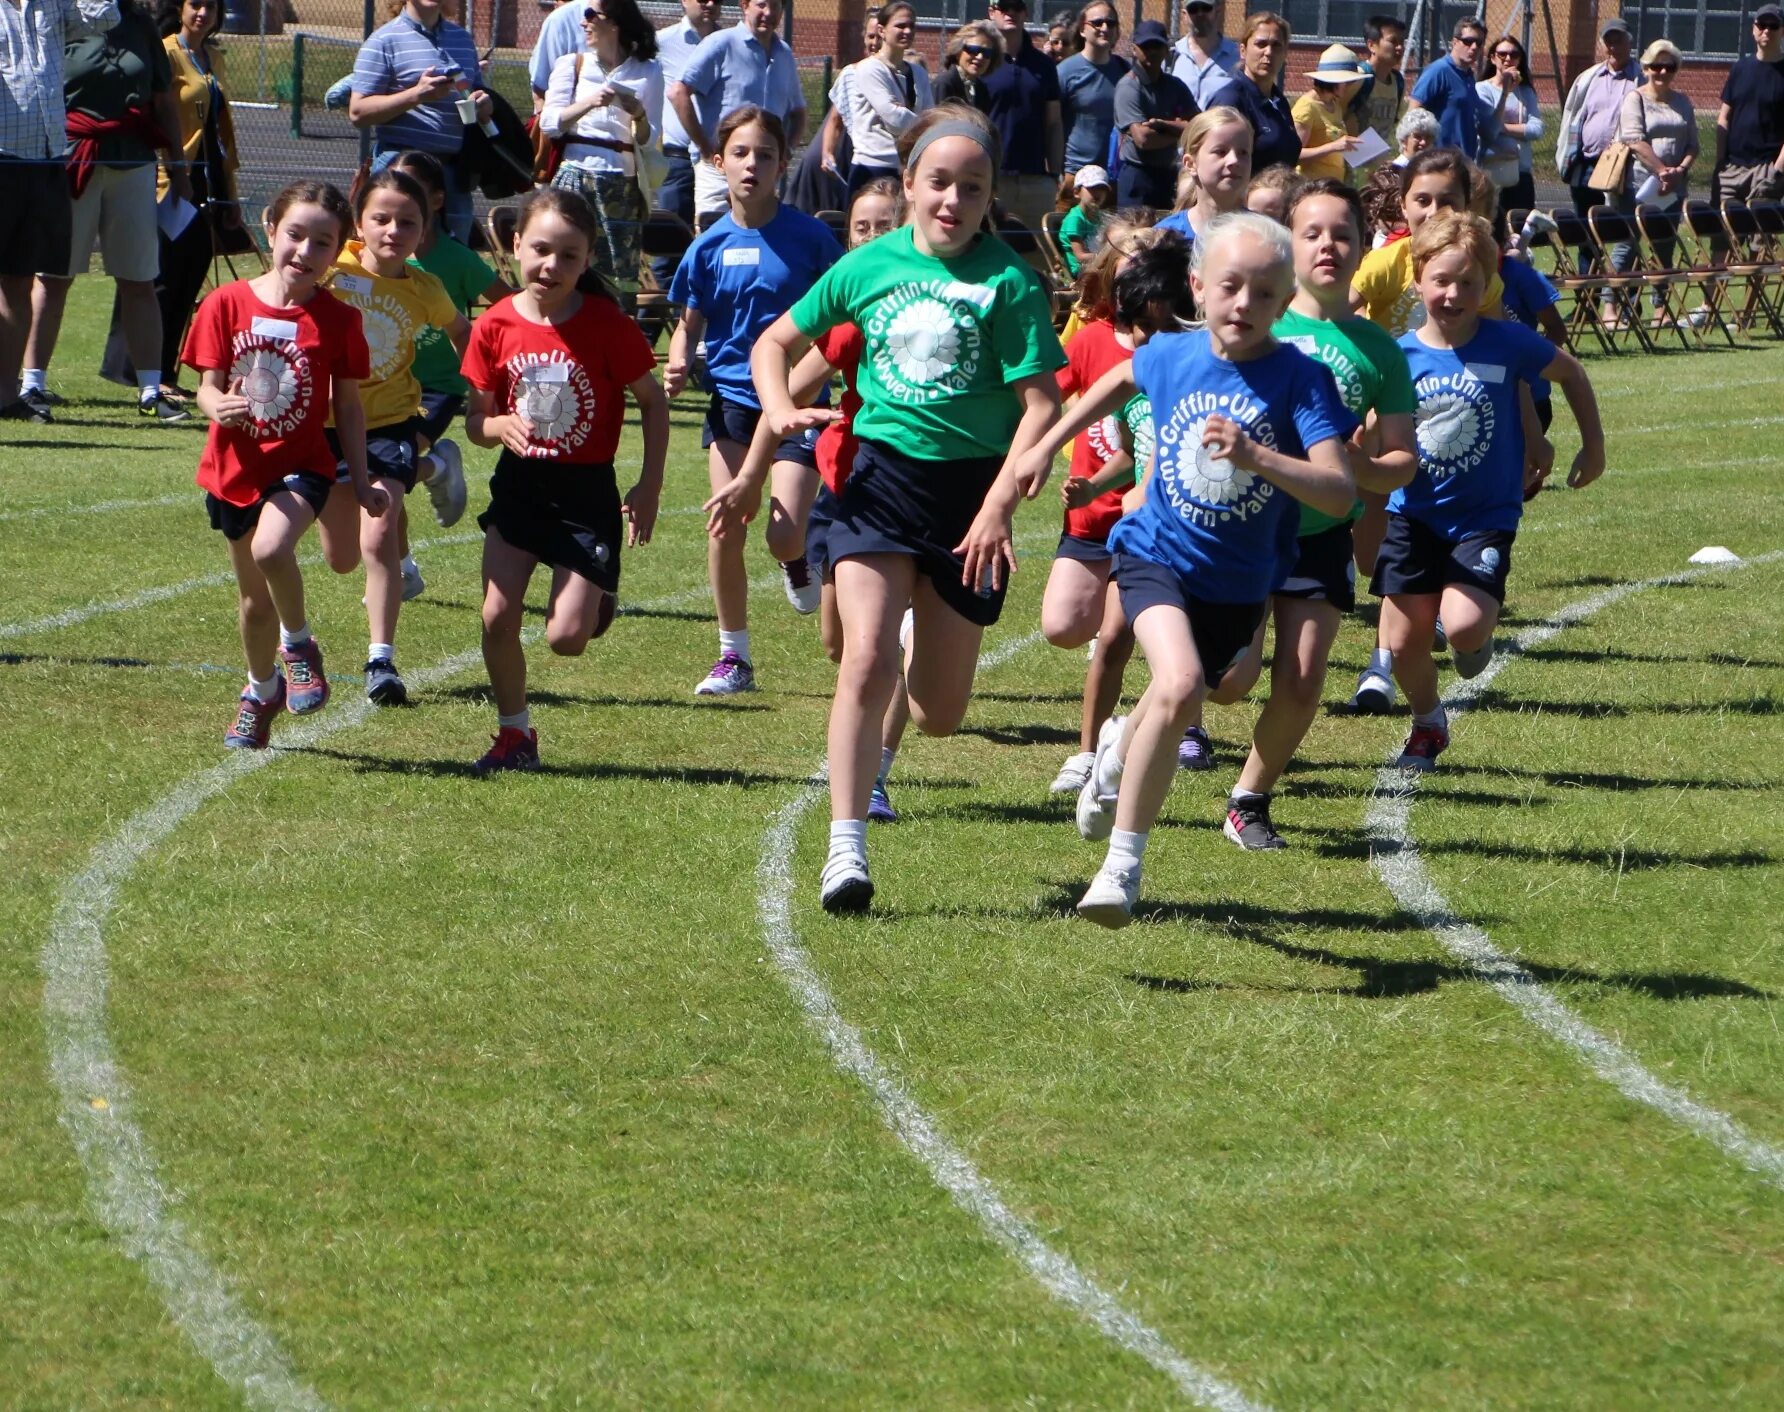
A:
1660, 126
1327, 143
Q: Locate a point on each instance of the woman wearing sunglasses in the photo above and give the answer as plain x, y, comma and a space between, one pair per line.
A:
605, 103
1660, 126
974, 51
1510, 124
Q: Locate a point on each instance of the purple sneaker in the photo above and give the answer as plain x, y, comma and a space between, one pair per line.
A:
1195, 751
729, 676
306, 686
879, 806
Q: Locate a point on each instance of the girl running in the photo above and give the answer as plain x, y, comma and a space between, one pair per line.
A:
1245, 427
957, 383
396, 301
1326, 221
1217, 162
274, 355
1450, 531
875, 210
549, 369
738, 277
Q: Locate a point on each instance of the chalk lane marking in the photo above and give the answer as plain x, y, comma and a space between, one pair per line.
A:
919, 1131
1395, 858
98, 507
97, 1108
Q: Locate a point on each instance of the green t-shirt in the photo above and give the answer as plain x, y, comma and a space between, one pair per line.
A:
1136, 418
1371, 373
465, 276
1076, 225
945, 339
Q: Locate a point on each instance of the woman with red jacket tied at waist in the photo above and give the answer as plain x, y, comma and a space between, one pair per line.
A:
119, 89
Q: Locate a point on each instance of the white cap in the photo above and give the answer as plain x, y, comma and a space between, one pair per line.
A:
1089, 176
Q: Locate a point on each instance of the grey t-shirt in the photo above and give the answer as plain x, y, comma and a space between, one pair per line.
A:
1087, 104
1137, 100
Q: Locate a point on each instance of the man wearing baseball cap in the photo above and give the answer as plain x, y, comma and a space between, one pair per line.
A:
1151, 109
1204, 59
1024, 94
1750, 124
1590, 121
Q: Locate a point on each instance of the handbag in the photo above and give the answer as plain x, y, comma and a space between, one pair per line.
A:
548, 151
1611, 173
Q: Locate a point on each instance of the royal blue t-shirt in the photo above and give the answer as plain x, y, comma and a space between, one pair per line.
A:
1470, 434
1450, 95
1178, 221
742, 280
1527, 293
1229, 535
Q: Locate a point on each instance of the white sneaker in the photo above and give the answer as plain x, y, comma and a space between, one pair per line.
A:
413, 584
845, 886
729, 676
1096, 812
447, 487
1374, 694
804, 591
1109, 900
1073, 773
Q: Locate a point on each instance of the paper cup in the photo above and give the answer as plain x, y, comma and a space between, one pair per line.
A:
467, 110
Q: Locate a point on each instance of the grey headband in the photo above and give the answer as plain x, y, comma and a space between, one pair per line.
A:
951, 127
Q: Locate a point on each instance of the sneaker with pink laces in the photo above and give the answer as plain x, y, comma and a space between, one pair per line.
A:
306, 685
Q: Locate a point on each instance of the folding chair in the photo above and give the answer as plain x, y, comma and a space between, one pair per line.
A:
1770, 216
1652, 274
500, 225
1679, 269
666, 236
1608, 227
1585, 288
1749, 260
1709, 262
838, 222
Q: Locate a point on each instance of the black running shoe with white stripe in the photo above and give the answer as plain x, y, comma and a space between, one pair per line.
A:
1248, 824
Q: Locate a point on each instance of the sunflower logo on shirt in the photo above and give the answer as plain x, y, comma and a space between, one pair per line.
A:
555, 395
1104, 436
1455, 421
1201, 487
924, 339
275, 378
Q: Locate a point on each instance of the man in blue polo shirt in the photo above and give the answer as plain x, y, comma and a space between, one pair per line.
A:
1446, 90
1025, 109
407, 80
732, 68
1204, 60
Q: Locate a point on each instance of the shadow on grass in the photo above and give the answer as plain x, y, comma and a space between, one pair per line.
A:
1025, 734
586, 770
1490, 700
535, 697
1599, 656
1594, 779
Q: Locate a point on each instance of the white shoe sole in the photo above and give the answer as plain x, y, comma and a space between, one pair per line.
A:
1111, 914
447, 489
1373, 697
1095, 816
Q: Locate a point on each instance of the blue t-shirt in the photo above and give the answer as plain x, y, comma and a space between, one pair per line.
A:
1087, 104
1527, 293
742, 280
1230, 535
731, 69
1470, 434
1178, 221
1449, 93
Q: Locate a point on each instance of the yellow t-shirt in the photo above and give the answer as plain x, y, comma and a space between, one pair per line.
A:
1313, 115
394, 311
1391, 300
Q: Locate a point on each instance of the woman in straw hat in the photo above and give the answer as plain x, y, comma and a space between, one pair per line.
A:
1320, 114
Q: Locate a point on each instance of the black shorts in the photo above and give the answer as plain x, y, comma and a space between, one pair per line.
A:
238, 521
1324, 569
439, 410
1416, 559
732, 421
389, 454
892, 504
1085, 551
36, 217
1222, 632
567, 516
817, 532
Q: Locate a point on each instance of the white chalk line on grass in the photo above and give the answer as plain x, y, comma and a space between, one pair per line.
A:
100, 507
919, 1131
1396, 860
97, 1108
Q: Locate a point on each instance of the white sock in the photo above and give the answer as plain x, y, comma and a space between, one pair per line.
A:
264, 690
848, 838
294, 637
148, 383
906, 625
1246, 796
735, 642
381, 652
31, 380
888, 753
409, 566
1381, 660
1108, 775
1126, 850
1438, 718
521, 720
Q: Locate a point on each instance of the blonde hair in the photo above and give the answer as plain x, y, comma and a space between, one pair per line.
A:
1662, 49
1236, 223
1279, 177
1257, 19
985, 32
1450, 230
1483, 196
1190, 144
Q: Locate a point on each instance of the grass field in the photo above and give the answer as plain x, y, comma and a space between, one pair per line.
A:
431, 1091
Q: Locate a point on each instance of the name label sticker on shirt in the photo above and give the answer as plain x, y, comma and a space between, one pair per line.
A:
547, 372
353, 284
1486, 372
283, 329
741, 255
1303, 341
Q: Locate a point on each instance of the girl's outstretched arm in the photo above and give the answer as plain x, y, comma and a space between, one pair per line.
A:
736, 504
1110, 391
641, 501
460, 336
1323, 480
682, 343
777, 350
1570, 374
485, 428
1385, 456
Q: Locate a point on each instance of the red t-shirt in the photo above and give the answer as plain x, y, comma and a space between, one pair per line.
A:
287, 360
1094, 349
568, 379
842, 348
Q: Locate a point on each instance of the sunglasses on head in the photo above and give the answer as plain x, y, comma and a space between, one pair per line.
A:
589, 16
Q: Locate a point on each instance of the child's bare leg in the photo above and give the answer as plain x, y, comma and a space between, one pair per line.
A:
1305, 631
283, 519
791, 490
259, 618
1102, 681
1469, 616
724, 553
1072, 605
571, 612
1149, 742
380, 541
1408, 625
338, 526
939, 667
506, 572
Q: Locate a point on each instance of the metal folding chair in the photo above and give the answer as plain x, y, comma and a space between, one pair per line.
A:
1688, 271
838, 222
500, 226
1584, 287
1609, 227
1750, 261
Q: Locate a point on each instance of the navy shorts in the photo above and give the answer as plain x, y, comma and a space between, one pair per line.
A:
892, 504
1324, 569
567, 516
389, 454
1415, 559
1222, 632
1085, 551
817, 531
732, 421
439, 410
238, 521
